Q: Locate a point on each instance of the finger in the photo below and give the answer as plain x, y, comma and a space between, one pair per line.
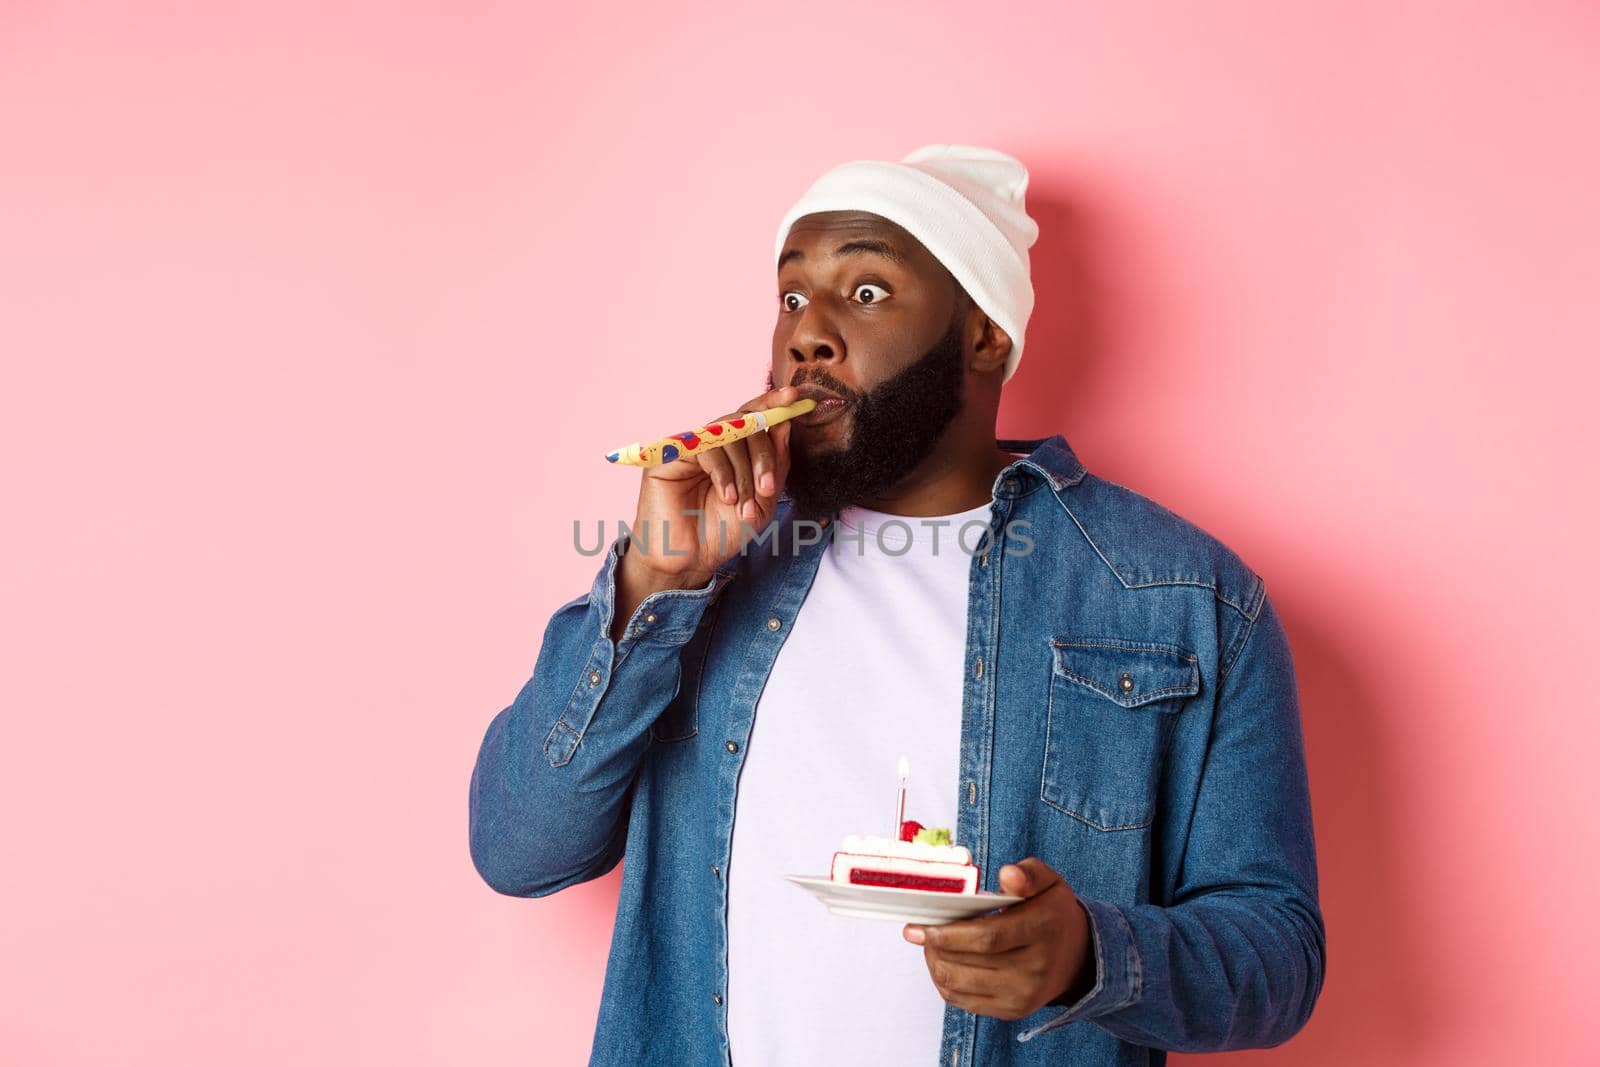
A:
990, 961
779, 435
740, 472
774, 398
770, 467
961, 979
1028, 877
738, 454
763, 461
988, 935
720, 470
763, 464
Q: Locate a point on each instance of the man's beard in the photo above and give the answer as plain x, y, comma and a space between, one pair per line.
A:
893, 428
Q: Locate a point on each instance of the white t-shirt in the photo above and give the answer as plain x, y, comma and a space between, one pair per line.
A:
872, 670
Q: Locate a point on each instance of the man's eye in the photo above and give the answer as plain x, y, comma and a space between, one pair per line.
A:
793, 301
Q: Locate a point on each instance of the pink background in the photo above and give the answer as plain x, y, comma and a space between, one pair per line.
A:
314, 323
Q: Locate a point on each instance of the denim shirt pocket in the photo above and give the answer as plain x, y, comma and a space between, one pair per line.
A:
1109, 719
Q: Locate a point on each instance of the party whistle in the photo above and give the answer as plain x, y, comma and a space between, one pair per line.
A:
714, 435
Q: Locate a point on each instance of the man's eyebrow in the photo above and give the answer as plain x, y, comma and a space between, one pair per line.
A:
862, 246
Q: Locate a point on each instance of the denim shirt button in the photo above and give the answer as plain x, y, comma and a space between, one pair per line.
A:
1127, 682
650, 618
774, 622
716, 871
594, 679
716, 998
732, 746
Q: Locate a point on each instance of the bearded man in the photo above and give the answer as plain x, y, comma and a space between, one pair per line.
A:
1096, 695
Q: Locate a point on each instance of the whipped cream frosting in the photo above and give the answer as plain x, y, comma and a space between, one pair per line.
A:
867, 844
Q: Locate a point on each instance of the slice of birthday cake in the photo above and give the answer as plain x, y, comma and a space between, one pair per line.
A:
922, 859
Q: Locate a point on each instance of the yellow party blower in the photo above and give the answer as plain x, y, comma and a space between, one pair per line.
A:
715, 435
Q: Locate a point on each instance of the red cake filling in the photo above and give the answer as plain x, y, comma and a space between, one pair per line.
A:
859, 876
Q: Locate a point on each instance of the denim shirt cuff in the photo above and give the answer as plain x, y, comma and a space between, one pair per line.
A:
1118, 975
667, 616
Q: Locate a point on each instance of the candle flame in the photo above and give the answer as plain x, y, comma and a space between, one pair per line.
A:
905, 768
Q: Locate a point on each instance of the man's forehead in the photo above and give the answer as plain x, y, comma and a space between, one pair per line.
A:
822, 225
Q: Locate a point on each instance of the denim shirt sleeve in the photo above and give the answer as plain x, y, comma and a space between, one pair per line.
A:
1237, 959
548, 801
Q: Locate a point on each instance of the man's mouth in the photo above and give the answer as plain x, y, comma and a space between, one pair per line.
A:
829, 407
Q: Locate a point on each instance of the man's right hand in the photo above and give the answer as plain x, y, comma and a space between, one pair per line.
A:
734, 487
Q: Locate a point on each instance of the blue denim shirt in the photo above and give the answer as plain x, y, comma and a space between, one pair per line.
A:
1130, 717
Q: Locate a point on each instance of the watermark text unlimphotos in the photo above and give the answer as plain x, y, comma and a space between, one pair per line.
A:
974, 537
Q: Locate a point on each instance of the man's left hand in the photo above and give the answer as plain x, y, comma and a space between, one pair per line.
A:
1016, 961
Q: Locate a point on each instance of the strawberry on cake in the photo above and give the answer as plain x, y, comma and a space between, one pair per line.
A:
922, 859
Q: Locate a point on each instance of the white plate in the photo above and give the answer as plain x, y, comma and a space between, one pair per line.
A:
923, 906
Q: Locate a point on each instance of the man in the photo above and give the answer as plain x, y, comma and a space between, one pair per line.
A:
1095, 695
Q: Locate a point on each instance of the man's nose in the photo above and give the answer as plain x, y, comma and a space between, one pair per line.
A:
820, 352
814, 338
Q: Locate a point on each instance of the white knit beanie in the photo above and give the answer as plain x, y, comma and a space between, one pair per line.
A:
964, 203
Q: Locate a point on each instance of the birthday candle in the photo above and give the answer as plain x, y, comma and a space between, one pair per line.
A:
713, 435
900, 808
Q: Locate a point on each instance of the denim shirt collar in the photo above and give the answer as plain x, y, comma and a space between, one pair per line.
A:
1051, 458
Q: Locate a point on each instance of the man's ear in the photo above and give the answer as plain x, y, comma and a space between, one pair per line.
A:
992, 347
